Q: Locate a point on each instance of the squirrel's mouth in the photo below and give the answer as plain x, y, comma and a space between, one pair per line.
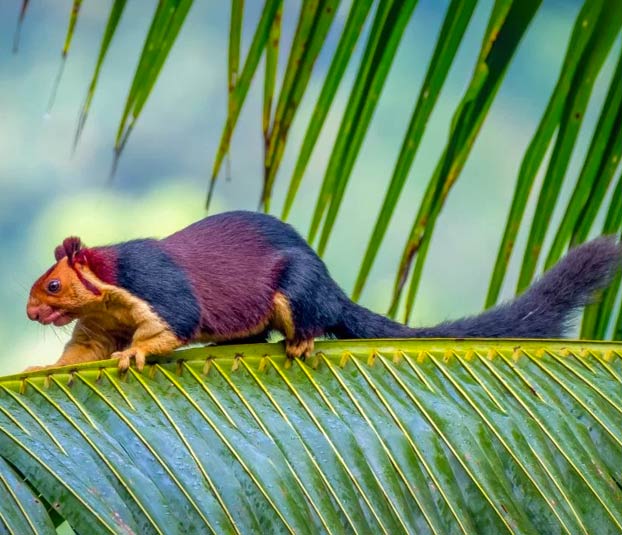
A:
53, 317
46, 314
57, 318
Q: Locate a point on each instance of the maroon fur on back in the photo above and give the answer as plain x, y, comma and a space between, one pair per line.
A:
103, 262
234, 272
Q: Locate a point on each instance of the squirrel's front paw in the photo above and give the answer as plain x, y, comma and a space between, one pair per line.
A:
127, 355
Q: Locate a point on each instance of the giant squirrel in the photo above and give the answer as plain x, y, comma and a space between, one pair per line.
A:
239, 275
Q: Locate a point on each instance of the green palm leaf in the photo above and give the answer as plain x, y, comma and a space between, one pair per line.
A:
20, 23
73, 20
384, 38
347, 42
597, 316
456, 20
116, 11
237, 97
583, 31
507, 24
272, 57
384, 436
602, 150
167, 20
313, 25
22, 511
606, 29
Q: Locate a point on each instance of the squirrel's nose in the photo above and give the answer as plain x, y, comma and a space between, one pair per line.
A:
32, 310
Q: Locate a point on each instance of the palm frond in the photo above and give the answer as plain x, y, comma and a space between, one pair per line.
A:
238, 96
314, 23
22, 510
73, 20
390, 39
384, 436
20, 23
583, 33
456, 21
116, 11
272, 58
606, 28
507, 24
384, 37
592, 178
347, 42
167, 20
235, 37
597, 317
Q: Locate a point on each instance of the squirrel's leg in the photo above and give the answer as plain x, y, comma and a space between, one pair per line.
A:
86, 344
308, 303
150, 338
298, 344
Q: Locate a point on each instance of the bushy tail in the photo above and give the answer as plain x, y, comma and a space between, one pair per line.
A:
543, 311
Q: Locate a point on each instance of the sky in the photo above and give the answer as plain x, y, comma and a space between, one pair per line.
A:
48, 192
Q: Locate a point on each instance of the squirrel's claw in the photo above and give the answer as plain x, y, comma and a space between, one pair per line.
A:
127, 355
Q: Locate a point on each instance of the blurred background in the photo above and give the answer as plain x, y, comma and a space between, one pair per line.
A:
47, 193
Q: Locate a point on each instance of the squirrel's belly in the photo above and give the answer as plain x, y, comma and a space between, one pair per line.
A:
207, 336
278, 317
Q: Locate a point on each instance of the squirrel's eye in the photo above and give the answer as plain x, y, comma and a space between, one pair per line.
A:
54, 286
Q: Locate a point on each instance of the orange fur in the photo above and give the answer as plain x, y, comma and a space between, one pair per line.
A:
282, 318
73, 298
299, 348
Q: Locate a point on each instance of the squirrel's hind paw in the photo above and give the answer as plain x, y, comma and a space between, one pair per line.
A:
300, 349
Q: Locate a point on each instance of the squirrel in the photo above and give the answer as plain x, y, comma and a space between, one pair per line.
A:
237, 276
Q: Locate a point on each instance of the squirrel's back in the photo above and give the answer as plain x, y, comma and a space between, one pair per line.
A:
232, 264
543, 311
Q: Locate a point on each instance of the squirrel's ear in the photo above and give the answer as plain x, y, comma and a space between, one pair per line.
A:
68, 248
59, 253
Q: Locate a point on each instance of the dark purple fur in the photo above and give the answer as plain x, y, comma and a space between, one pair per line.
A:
220, 275
234, 271
545, 309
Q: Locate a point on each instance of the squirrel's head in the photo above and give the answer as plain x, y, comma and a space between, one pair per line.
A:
70, 286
